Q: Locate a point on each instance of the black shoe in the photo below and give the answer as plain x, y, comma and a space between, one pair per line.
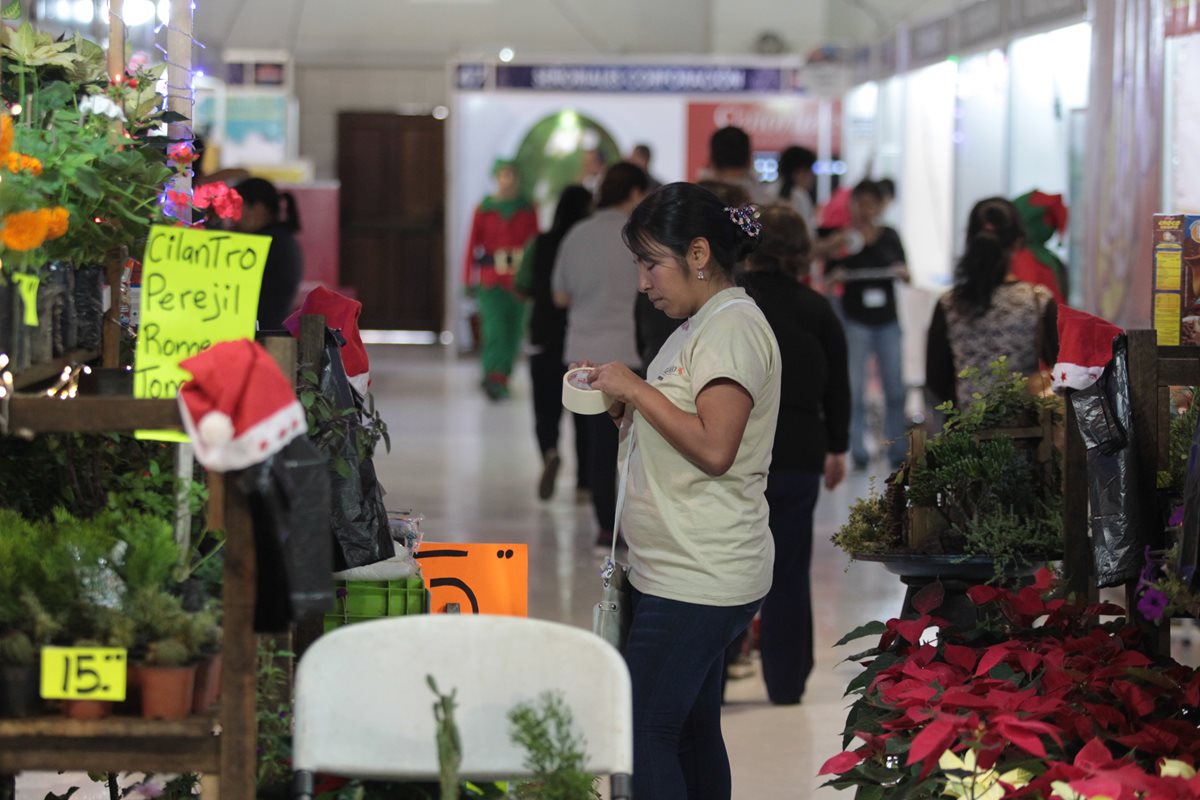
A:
550, 464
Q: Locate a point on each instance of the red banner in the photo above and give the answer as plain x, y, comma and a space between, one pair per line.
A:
1183, 17
773, 125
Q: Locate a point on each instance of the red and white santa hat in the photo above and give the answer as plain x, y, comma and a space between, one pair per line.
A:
341, 314
238, 408
1084, 349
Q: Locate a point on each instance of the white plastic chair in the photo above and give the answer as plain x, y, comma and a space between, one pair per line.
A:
363, 708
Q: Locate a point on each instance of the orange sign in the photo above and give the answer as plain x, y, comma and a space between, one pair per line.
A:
481, 578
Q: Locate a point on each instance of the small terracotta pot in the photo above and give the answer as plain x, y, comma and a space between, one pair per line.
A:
208, 684
167, 691
86, 709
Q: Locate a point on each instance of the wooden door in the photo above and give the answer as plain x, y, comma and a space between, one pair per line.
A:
392, 174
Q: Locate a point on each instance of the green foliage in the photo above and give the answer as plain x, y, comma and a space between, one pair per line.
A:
274, 713
865, 531
991, 495
156, 614
1179, 438
168, 653
554, 753
449, 744
330, 427
16, 650
203, 631
151, 555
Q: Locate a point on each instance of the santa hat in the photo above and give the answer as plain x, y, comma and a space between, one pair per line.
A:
1084, 349
238, 408
341, 314
1043, 214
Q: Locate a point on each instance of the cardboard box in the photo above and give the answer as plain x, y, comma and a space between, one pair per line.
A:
1176, 309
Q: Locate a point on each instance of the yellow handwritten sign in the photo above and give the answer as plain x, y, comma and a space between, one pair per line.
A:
83, 673
199, 287
27, 285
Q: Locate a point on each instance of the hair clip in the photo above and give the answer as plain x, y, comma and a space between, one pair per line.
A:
746, 218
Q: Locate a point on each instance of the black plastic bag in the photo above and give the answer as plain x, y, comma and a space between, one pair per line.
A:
360, 521
289, 500
1189, 539
1104, 415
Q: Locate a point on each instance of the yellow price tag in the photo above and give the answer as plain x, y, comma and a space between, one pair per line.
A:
83, 673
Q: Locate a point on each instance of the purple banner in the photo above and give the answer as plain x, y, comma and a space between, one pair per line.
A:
648, 78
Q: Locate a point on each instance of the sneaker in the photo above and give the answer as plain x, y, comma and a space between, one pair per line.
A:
550, 464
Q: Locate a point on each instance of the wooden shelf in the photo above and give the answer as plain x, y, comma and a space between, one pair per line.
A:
116, 743
37, 373
91, 415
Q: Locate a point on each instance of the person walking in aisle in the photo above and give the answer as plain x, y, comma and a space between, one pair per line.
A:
869, 259
811, 439
503, 224
989, 313
729, 158
697, 437
547, 332
592, 280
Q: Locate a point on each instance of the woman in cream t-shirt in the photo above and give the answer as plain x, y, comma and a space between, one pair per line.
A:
697, 434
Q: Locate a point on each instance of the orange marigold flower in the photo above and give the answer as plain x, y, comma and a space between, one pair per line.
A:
19, 162
6, 135
58, 219
24, 230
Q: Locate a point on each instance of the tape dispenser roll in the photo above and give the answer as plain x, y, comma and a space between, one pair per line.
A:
581, 398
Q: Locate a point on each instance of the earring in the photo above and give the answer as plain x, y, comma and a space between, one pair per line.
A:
700, 274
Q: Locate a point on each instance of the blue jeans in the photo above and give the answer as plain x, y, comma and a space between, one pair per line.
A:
676, 658
883, 342
787, 619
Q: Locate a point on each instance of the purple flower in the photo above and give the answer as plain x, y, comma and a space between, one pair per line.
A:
147, 789
1176, 517
341, 592
1152, 605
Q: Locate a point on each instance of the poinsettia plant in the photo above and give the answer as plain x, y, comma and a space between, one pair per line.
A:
1037, 700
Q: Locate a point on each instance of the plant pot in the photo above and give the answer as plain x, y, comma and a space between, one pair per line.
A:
86, 709
19, 691
132, 704
167, 691
208, 684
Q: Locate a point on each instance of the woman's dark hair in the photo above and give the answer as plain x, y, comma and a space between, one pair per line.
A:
574, 204
868, 187
263, 192
676, 214
994, 231
619, 182
785, 244
791, 160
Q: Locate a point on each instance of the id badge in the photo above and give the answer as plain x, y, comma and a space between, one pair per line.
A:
874, 298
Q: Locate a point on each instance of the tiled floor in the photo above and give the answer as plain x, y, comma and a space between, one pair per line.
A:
471, 468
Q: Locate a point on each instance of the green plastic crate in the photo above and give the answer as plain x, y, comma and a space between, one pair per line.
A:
363, 600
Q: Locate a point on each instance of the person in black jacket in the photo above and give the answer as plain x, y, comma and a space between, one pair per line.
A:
547, 332
269, 212
811, 439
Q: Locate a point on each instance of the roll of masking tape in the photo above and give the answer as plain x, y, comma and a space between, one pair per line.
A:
581, 398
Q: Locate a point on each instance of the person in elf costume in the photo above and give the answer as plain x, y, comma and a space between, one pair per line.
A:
503, 224
1043, 215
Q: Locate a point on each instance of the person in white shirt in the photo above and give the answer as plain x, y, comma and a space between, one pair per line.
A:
697, 435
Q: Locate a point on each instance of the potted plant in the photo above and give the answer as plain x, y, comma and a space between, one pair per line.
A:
980, 499
1036, 699
167, 681
202, 637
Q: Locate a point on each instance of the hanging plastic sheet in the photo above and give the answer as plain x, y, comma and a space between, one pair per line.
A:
1118, 511
360, 521
290, 502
